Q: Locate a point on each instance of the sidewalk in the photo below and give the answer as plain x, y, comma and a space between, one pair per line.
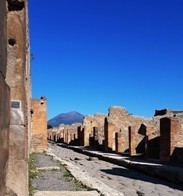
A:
166, 172
52, 179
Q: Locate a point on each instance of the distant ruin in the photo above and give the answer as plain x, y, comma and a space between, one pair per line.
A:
159, 138
39, 125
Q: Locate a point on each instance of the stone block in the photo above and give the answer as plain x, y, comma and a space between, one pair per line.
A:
17, 176
17, 117
165, 139
119, 144
4, 132
17, 142
110, 130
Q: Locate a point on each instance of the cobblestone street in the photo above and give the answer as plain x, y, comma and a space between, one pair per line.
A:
120, 179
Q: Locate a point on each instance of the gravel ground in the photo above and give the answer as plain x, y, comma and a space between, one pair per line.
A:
129, 182
54, 180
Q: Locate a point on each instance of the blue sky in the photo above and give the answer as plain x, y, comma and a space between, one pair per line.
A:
92, 54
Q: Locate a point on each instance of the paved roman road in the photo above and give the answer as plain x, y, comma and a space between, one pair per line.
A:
126, 181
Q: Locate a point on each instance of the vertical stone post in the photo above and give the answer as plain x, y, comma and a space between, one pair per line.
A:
146, 147
95, 135
118, 138
132, 141
86, 136
165, 129
109, 132
171, 136
68, 136
72, 136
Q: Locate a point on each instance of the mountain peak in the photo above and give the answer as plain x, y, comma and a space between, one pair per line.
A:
66, 118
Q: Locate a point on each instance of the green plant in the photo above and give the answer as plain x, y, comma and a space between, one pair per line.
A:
32, 172
67, 174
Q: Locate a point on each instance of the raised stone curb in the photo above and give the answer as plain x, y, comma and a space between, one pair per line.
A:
166, 172
66, 193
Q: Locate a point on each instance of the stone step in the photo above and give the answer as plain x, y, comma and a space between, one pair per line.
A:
67, 193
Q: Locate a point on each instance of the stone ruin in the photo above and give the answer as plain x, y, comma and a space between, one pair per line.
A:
39, 125
20, 127
23, 120
159, 138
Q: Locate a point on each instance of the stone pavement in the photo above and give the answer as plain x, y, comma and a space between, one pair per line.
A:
170, 173
112, 179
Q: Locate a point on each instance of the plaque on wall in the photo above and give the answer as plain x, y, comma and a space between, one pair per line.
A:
15, 104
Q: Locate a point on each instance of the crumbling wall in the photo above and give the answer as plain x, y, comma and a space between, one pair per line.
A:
119, 120
65, 133
93, 130
153, 132
18, 79
100, 118
39, 125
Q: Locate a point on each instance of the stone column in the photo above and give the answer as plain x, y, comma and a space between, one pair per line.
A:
171, 136
165, 129
95, 135
118, 137
86, 136
132, 140
109, 130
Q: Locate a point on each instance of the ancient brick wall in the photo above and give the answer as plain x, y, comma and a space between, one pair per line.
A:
18, 79
110, 131
4, 131
90, 123
4, 100
119, 120
39, 125
100, 119
135, 140
118, 138
68, 134
171, 136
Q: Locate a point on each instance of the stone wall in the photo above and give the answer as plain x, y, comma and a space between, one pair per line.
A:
39, 125
119, 120
4, 100
18, 79
3, 40
93, 130
65, 133
160, 137
171, 137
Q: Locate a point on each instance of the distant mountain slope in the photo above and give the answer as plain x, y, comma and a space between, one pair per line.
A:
66, 118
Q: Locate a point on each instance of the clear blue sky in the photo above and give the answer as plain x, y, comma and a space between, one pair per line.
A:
92, 54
